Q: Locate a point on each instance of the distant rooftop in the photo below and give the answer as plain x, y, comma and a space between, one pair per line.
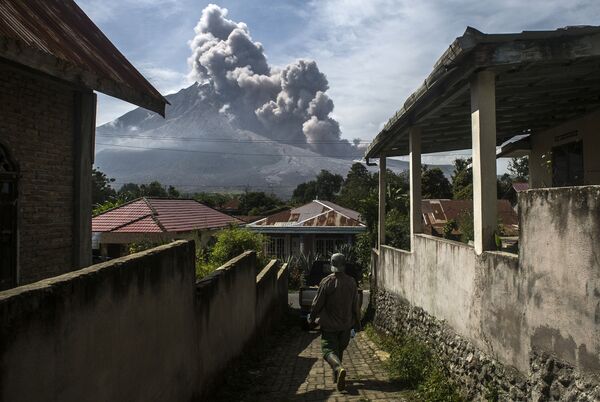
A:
59, 39
316, 216
161, 215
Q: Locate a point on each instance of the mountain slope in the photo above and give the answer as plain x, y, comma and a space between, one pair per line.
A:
198, 148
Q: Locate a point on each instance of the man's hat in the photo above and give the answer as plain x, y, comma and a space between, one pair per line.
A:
338, 262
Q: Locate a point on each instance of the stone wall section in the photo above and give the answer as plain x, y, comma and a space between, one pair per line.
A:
477, 372
37, 125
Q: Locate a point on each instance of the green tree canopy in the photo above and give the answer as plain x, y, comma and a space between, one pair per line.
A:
434, 184
324, 187
519, 168
258, 202
101, 188
462, 180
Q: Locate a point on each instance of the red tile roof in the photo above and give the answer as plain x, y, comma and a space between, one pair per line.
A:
155, 215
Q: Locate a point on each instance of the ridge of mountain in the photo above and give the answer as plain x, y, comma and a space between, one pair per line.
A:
196, 147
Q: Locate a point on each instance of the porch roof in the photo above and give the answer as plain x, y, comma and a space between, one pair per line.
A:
542, 79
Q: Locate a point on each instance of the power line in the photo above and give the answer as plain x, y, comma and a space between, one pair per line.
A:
231, 140
244, 154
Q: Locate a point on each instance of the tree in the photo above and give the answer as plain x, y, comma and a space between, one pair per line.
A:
434, 184
504, 185
356, 187
153, 189
130, 191
254, 202
519, 168
324, 187
462, 180
101, 188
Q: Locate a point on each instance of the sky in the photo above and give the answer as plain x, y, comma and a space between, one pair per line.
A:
375, 53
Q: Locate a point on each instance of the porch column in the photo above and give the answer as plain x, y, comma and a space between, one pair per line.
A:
382, 191
483, 129
414, 143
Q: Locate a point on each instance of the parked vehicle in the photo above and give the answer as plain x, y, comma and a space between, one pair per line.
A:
319, 270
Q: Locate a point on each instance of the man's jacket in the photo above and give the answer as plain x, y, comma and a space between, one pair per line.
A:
336, 303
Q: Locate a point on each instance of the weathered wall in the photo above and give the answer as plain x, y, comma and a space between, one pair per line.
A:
118, 331
560, 258
584, 129
47, 126
137, 328
524, 312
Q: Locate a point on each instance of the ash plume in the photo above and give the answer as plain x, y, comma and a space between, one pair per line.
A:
287, 104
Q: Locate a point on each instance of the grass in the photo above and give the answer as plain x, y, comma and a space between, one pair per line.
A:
413, 364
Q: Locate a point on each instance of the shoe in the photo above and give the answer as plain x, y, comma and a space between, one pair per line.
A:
341, 379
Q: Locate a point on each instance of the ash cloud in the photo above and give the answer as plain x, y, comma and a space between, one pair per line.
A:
287, 104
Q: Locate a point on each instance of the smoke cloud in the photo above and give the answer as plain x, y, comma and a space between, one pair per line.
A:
287, 104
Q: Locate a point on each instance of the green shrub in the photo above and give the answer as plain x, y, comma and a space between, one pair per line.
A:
230, 243
409, 362
437, 387
233, 241
412, 363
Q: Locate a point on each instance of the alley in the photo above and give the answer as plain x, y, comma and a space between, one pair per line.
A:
289, 367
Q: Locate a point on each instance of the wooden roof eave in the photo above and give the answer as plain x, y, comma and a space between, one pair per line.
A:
498, 52
17, 52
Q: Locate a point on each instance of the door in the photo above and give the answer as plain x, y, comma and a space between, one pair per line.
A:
567, 165
8, 221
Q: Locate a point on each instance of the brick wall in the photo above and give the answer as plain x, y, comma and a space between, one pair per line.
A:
36, 124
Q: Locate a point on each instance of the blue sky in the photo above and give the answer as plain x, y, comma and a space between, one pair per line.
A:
374, 52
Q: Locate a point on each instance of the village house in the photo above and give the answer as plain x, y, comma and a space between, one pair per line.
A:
153, 221
437, 214
487, 312
52, 58
318, 227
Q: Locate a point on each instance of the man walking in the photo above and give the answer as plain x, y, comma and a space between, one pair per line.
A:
337, 307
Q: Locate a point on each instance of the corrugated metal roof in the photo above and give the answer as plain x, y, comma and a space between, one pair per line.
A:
314, 214
437, 212
521, 186
58, 38
523, 61
151, 215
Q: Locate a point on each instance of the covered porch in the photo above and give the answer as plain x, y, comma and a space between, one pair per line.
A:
491, 89
527, 310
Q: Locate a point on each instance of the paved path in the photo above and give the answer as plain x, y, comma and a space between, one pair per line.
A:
291, 369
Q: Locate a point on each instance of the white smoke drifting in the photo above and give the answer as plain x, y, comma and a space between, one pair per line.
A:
287, 104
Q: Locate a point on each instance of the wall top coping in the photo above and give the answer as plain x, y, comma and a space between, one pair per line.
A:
282, 270
266, 270
63, 279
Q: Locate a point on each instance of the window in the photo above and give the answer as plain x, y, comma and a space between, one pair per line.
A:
327, 246
275, 247
567, 165
8, 221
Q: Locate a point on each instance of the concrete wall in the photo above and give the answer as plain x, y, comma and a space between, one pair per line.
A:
116, 331
138, 328
47, 127
584, 129
544, 301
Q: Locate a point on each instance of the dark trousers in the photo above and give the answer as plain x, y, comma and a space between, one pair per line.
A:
334, 342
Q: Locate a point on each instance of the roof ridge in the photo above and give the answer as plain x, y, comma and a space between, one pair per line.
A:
338, 211
130, 222
154, 215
